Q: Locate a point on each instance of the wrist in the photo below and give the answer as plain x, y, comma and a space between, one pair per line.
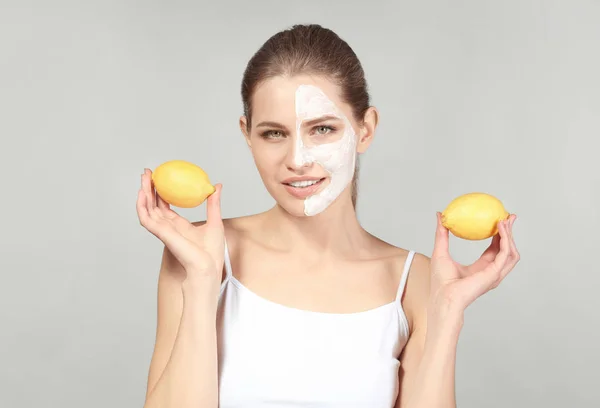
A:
201, 292
444, 315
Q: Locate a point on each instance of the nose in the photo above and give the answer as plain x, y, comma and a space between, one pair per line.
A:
297, 157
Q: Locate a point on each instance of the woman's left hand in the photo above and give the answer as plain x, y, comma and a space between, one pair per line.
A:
459, 284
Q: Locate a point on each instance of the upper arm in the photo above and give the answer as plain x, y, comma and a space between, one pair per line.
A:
414, 303
169, 310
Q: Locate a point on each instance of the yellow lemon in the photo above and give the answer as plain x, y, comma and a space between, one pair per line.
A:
182, 184
474, 216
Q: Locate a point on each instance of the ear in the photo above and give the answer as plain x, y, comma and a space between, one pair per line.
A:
367, 131
244, 129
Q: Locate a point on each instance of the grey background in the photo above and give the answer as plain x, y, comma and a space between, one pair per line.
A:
502, 97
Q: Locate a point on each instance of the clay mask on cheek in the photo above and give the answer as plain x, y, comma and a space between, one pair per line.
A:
337, 158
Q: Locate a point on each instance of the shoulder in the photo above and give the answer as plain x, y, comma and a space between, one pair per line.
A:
416, 291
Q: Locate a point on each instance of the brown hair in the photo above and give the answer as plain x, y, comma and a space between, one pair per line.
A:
309, 49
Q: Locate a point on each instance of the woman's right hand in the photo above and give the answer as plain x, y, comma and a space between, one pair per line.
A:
199, 249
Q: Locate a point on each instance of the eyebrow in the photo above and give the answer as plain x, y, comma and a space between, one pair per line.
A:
306, 123
321, 119
271, 124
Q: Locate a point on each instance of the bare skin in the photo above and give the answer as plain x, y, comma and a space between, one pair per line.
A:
325, 263
355, 280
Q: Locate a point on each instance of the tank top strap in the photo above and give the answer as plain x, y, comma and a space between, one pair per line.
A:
227, 259
227, 265
404, 276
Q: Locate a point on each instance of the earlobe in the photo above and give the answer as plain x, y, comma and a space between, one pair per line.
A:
244, 128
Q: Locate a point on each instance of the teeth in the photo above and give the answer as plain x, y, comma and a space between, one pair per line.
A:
303, 184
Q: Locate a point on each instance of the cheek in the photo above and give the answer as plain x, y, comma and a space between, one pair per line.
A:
267, 156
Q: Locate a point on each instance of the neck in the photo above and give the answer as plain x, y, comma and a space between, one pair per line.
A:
335, 230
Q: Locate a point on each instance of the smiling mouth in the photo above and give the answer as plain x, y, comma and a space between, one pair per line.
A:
304, 183
303, 189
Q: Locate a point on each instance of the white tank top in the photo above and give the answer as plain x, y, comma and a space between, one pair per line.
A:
275, 356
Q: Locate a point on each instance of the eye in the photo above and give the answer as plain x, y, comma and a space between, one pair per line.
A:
323, 130
272, 134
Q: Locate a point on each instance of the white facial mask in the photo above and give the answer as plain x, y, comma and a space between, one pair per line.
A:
337, 158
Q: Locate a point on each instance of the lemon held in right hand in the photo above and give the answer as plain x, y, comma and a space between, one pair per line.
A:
182, 184
474, 216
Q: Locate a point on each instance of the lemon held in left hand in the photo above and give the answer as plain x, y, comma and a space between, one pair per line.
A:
182, 184
474, 216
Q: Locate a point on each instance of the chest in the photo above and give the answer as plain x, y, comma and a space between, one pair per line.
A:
323, 385
274, 356
341, 287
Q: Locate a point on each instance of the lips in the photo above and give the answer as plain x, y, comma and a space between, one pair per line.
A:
302, 187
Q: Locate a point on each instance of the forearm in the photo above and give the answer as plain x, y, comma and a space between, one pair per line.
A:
190, 377
434, 383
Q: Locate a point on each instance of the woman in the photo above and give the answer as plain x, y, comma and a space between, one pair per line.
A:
299, 305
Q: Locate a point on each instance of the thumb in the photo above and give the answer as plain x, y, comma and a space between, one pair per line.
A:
213, 206
440, 247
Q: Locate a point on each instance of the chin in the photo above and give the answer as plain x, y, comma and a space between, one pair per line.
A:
293, 207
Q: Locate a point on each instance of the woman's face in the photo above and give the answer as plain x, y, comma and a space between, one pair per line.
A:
304, 140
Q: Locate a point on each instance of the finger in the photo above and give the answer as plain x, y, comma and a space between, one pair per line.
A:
213, 207
147, 187
502, 264
142, 209
152, 189
156, 214
514, 253
440, 247
492, 250
165, 208
491, 276
502, 256
510, 222
509, 229
162, 204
